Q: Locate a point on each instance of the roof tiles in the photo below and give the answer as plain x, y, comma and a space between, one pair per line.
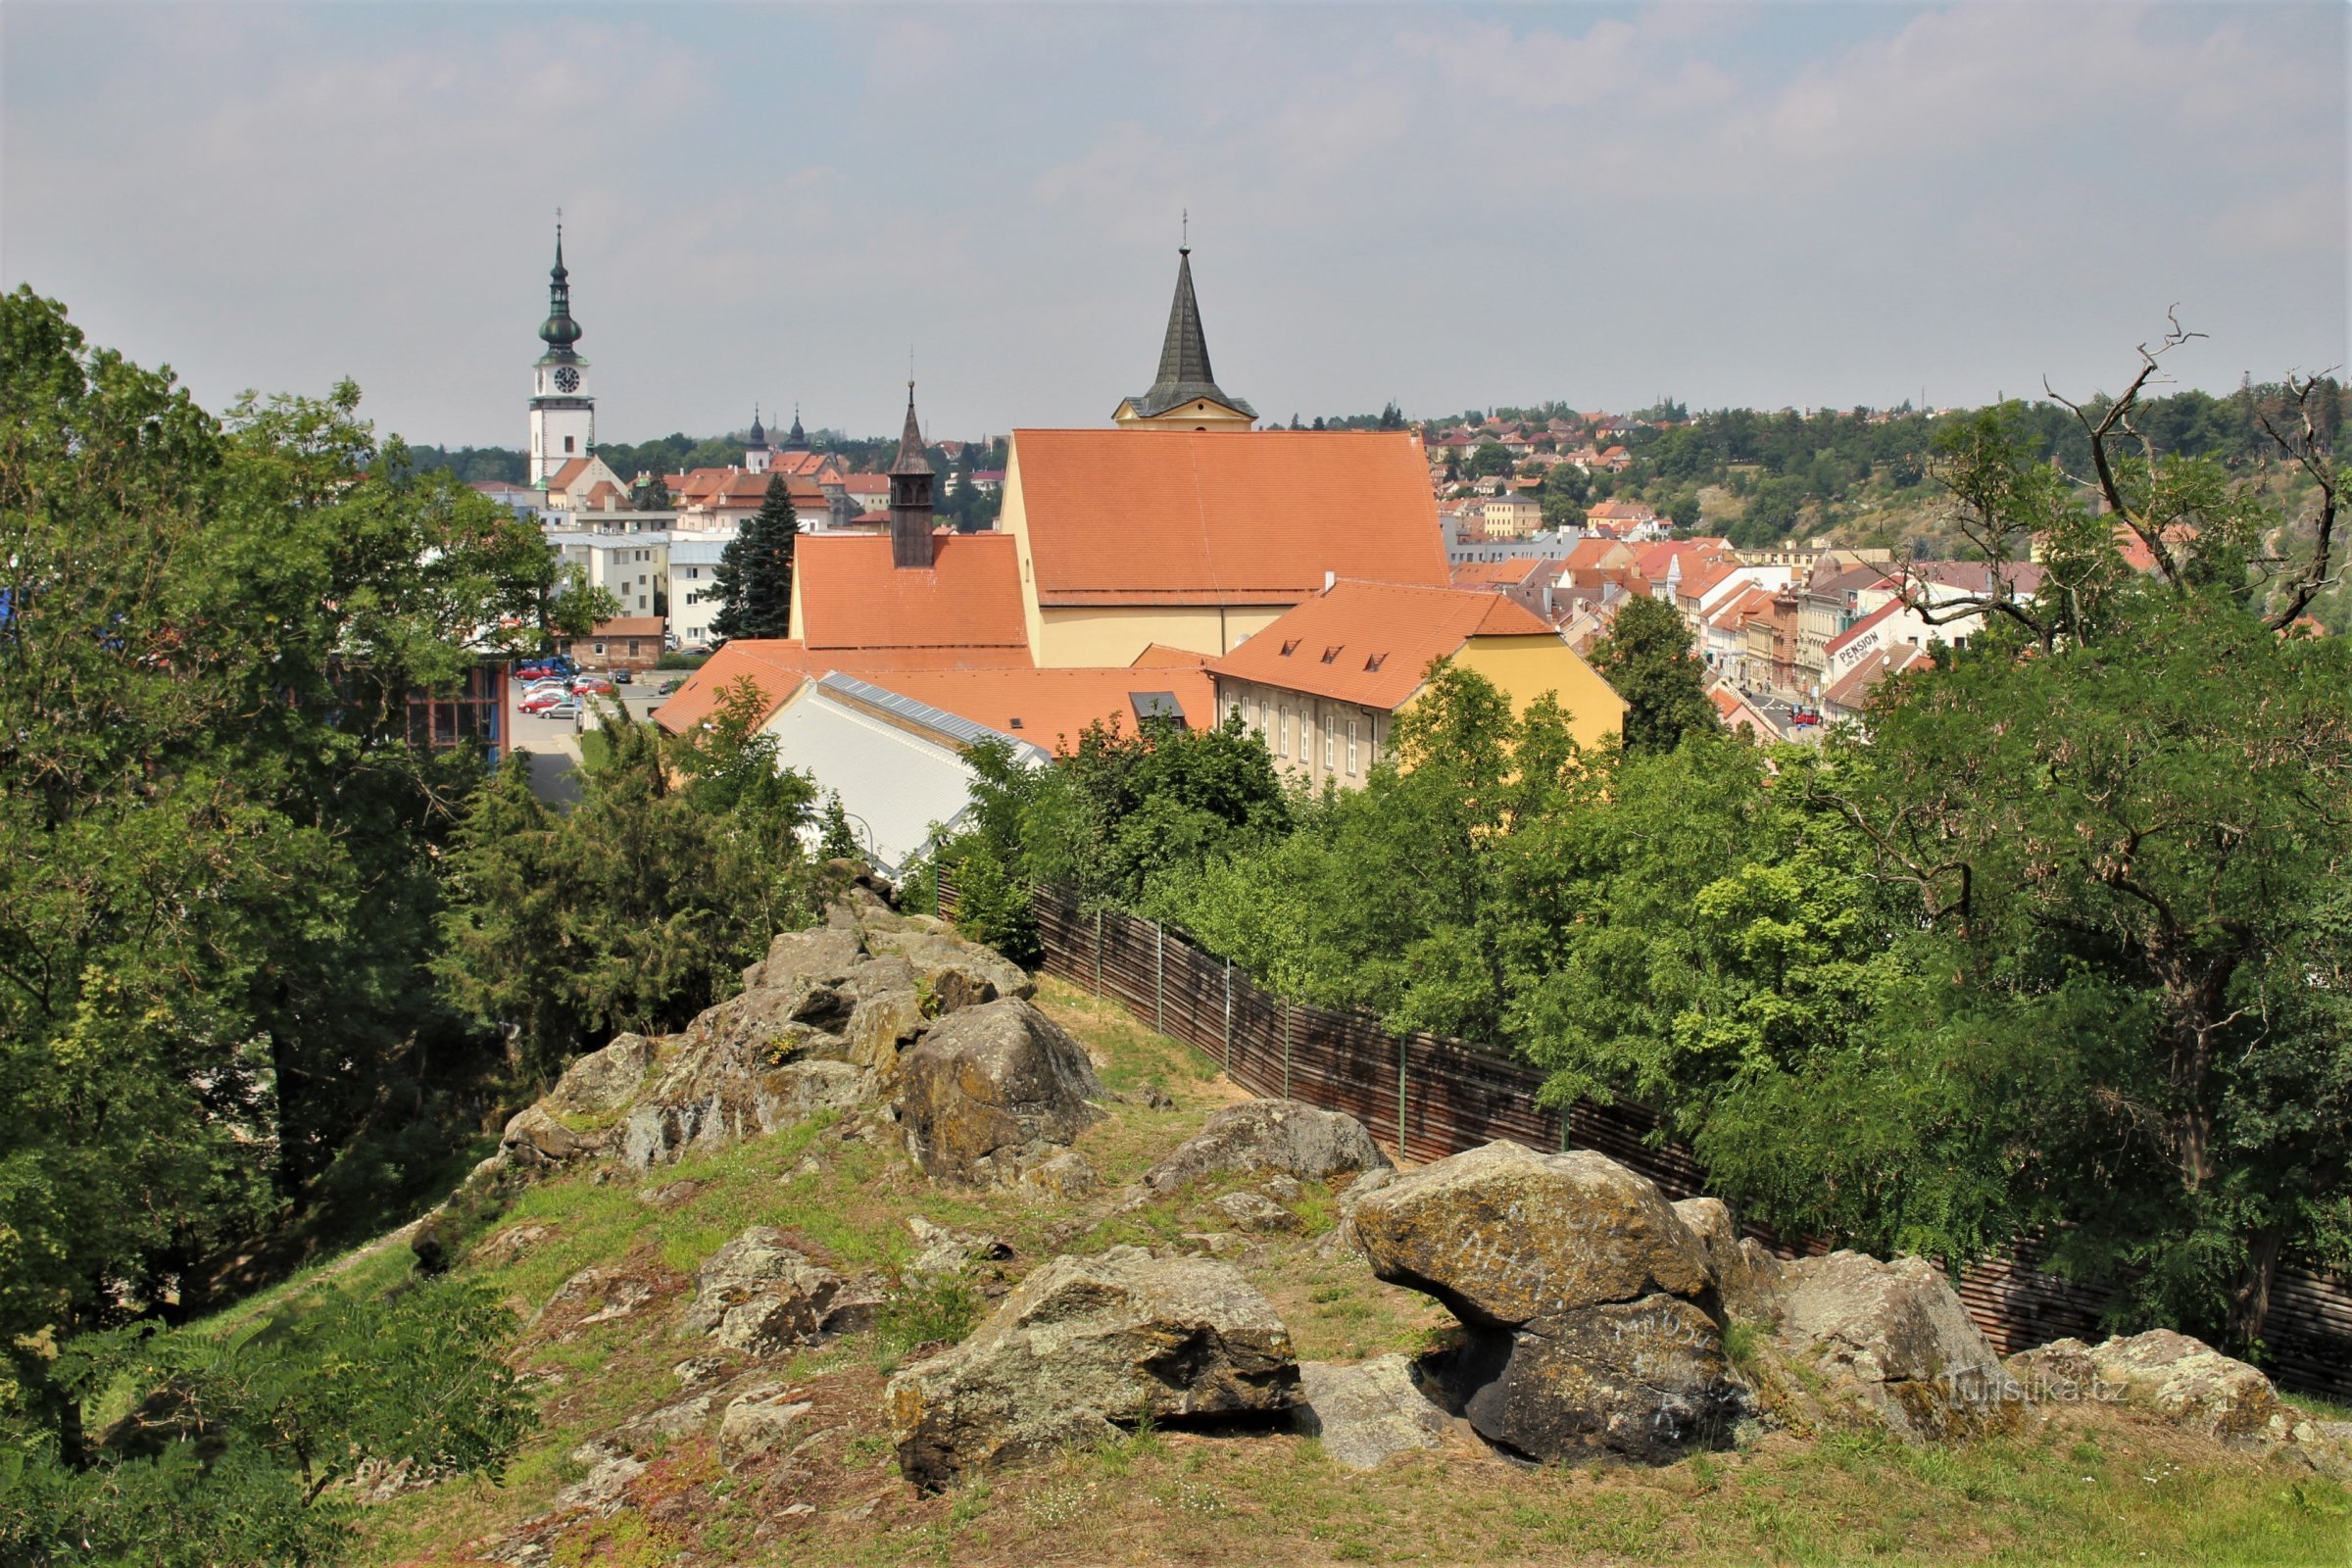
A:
1370, 642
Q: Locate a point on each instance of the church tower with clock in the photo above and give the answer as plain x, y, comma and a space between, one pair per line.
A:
562, 414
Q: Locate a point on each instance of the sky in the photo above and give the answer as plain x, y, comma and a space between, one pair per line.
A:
1446, 206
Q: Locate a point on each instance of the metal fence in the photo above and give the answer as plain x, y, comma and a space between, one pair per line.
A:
1430, 1096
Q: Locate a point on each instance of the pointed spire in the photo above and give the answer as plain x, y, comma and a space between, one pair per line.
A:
758, 436
797, 440
911, 508
1184, 371
558, 331
910, 458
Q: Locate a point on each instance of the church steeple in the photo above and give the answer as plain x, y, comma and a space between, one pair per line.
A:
796, 439
563, 412
911, 476
558, 331
1186, 393
754, 447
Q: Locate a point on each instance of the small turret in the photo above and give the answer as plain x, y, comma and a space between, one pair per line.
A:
911, 505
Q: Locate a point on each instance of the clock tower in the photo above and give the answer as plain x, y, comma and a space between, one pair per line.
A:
562, 414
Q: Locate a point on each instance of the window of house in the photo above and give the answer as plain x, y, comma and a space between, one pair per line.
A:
1284, 750
567, 443
1351, 747
1330, 741
1290, 646
600, 647
1331, 652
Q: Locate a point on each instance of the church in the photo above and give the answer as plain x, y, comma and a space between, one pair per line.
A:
1127, 562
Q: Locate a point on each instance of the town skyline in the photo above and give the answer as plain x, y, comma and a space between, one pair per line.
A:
1755, 209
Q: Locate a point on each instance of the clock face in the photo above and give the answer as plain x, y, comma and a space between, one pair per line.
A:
567, 379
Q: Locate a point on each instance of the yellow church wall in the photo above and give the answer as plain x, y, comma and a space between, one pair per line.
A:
1523, 668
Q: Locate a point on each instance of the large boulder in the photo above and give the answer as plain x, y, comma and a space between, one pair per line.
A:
603, 1081
1894, 1339
1259, 1137
759, 1295
1084, 1345
993, 1091
1744, 1272
954, 974
2176, 1378
1368, 1413
1592, 1316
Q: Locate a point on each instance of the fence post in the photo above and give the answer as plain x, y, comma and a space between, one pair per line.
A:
1098, 954
1160, 975
1400, 1042
1286, 1048
1228, 1014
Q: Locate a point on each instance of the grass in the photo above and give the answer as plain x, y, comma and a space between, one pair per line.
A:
2088, 1485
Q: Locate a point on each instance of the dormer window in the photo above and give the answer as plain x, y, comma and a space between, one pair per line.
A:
1016, 723
1290, 646
1332, 653
1375, 662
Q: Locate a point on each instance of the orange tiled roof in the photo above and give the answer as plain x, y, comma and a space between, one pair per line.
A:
777, 666
852, 598
1160, 655
1514, 570
1051, 707
1181, 516
1370, 642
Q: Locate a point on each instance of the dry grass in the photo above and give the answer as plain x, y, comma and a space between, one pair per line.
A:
2084, 1486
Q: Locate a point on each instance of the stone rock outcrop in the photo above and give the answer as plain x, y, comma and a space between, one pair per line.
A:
1744, 1272
759, 1295
759, 1422
1085, 1345
993, 1091
1893, 1338
1256, 1211
1259, 1136
2178, 1379
946, 1252
1591, 1313
1368, 1413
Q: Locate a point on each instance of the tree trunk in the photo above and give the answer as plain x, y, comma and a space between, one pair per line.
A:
2250, 1302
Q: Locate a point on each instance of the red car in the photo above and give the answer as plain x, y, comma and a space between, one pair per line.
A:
591, 683
541, 702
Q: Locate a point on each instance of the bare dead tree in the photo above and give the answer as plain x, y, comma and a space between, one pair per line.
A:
2306, 445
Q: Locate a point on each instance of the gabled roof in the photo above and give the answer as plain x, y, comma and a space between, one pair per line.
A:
1160, 655
1181, 516
1512, 570
1854, 690
776, 666
1370, 643
1850, 579
1184, 372
1052, 707
852, 598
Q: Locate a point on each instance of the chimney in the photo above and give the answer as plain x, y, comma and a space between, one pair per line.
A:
1331, 580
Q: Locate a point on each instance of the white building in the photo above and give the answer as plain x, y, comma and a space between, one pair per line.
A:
633, 567
694, 586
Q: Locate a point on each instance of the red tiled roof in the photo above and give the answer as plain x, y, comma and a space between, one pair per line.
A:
1370, 642
777, 666
628, 626
1514, 570
1181, 516
1051, 707
1864, 624
1160, 655
852, 597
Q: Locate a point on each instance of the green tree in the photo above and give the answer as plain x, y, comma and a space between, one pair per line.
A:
232, 1454
216, 836
754, 575
1646, 657
636, 908
1489, 459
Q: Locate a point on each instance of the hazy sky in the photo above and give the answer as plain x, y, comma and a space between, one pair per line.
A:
1445, 206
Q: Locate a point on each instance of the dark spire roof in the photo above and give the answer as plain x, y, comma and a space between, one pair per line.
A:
1184, 372
910, 458
558, 331
758, 436
797, 439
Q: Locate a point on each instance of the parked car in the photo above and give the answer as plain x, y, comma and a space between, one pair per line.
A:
622, 677
1805, 715
592, 683
541, 702
567, 708
666, 687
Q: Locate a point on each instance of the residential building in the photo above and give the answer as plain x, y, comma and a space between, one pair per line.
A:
1833, 599
1513, 514
628, 642
694, 602
634, 568
1324, 682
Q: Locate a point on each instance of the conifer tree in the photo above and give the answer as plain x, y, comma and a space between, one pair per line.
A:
755, 575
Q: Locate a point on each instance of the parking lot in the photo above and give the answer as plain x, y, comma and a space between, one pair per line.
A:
555, 743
